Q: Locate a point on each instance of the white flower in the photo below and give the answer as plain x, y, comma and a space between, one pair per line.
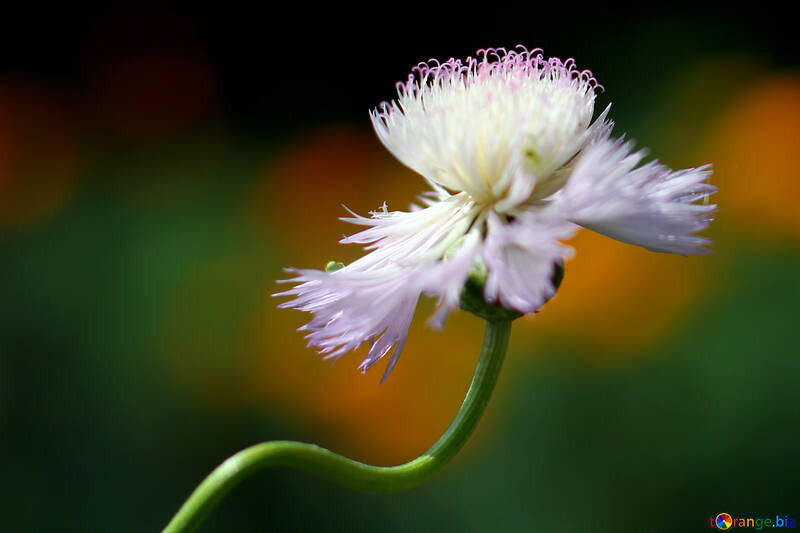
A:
515, 164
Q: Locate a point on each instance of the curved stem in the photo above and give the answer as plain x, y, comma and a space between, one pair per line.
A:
347, 471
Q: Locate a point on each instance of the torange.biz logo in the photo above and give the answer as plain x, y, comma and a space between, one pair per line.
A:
723, 521
726, 521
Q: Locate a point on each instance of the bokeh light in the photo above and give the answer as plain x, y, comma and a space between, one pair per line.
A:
619, 298
38, 151
753, 144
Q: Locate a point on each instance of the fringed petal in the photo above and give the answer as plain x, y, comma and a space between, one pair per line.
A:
520, 258
649, 206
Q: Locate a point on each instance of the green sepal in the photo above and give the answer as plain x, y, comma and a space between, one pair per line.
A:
472, 298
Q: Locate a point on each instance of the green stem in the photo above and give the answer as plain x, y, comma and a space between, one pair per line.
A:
346, 471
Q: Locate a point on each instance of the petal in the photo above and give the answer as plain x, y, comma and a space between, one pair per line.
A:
520, 258
373, 298
598, 131
650, 206
351, 307
414, 235
468, 125
446, 278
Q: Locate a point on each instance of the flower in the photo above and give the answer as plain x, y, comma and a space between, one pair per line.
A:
515, 166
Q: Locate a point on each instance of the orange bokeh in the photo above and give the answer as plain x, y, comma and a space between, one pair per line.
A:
38, 152
754, 145
302, 191
616, 298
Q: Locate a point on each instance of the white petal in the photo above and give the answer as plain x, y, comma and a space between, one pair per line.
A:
484, 124
548, 184
373, 298
410, 238
446, 279
650, 206
520, 258
352, 307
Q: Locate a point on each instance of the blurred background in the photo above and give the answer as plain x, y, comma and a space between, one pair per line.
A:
159, 166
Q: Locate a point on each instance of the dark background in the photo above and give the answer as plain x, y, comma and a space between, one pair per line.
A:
158, 166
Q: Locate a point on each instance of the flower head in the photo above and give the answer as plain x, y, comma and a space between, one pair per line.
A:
515, 165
